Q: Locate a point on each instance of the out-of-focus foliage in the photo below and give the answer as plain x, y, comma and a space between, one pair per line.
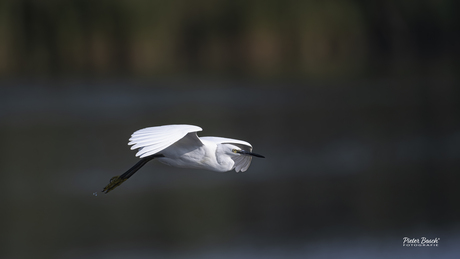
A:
232, 38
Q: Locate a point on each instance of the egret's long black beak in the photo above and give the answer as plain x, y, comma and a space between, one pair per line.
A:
244, 152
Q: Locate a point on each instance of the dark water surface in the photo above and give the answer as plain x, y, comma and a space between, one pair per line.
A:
350, 169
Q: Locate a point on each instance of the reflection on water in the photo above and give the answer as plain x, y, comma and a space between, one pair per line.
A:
368, 163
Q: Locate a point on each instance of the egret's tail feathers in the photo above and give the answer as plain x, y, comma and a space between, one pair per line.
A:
118, 180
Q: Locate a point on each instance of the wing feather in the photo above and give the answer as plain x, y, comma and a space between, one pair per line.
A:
220, 140
152, 140
242, 163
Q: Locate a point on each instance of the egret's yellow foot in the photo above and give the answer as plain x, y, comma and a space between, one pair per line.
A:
114, 183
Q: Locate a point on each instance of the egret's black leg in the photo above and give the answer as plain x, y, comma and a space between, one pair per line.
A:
117, 180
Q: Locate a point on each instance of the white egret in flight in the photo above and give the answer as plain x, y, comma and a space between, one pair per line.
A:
179, 146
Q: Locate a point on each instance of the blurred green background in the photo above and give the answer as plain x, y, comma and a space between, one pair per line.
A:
355, 104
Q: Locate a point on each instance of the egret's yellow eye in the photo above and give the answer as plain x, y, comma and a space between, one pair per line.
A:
235, 150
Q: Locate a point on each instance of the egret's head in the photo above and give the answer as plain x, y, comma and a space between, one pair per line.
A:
235, 150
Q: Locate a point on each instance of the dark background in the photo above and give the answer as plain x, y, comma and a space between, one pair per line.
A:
355, 105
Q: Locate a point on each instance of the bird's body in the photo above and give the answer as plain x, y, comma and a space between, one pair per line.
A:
200, 157
179, 146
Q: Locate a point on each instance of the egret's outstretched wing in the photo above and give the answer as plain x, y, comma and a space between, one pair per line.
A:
240, 143
242, 163
155, 139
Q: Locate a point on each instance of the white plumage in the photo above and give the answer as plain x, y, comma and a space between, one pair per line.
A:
154, 139
180, 146
183, 148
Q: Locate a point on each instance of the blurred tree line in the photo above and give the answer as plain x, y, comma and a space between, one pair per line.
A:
263, 38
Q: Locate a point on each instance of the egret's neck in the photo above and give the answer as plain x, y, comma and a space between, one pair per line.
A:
224, 161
